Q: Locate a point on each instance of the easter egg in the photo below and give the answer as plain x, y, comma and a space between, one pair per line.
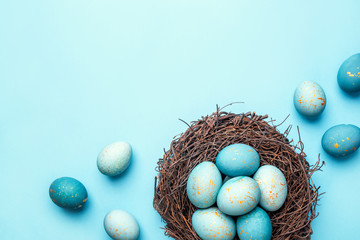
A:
67, 192
212, 224
203, 184
273, 187
349, 74
254, 225
238, 160
309, 99
238, 196
114, 159
341, 140
121, 225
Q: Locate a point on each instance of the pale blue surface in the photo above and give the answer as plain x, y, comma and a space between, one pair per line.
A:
77, 75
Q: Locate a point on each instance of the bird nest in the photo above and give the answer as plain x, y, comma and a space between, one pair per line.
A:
203, 140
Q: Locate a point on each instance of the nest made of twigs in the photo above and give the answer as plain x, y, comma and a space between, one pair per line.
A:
204, 139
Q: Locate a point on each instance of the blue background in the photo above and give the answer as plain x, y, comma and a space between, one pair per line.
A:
77, 75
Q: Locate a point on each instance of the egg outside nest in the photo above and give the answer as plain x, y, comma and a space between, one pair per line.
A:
68, 193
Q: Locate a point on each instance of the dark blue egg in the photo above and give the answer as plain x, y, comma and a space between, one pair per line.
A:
349, 74
341, 140
67, 192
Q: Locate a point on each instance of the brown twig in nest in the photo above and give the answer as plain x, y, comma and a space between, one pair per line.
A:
204, 139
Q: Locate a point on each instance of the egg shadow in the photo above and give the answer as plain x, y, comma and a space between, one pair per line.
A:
349, 159
313, 119
348, 95
140, 235
308, 119
73, 215
107, 237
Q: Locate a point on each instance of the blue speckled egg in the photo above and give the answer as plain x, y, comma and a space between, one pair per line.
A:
238, 160
211, 224
341, 140
254, 225
273, 187
67, 192
238, 196
114, 158
203, 184
121, 225
309, 99
349, 74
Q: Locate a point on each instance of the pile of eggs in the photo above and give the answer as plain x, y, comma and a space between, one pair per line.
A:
69, 193
239, 203
310, 101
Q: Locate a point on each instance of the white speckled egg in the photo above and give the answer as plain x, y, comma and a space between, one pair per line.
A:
238, 196
309, 99
211, 224
203, 184
121, 225
114, 158
273, 187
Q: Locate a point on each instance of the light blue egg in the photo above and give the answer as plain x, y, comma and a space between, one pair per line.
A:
238, 196
114, 159
309, 99
238, 160
203, 184
212, 224
273, 187
349, 74
254, 225
121, 225
341, 140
